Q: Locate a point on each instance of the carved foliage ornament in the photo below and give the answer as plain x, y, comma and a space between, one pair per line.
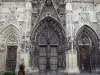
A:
47, 35
53, 25
47, 26
48, 3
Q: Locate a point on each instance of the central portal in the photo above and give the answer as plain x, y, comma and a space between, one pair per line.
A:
47, 50
48, 45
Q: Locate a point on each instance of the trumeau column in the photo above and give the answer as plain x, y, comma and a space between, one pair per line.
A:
28, 9
71, 54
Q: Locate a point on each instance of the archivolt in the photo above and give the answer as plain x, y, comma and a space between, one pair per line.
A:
89, 32
52, 23
7, 31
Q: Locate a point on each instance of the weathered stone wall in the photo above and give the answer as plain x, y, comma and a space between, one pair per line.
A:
15, 18
78, 14
20, 18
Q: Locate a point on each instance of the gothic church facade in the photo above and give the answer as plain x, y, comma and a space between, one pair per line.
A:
50, 35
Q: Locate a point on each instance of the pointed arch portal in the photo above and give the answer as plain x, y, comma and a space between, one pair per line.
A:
10, 39
11, 57
87, 42
49, 39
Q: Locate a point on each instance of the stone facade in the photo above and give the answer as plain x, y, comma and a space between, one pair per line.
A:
22, 20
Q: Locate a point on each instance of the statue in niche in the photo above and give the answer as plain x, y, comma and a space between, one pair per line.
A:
98, 16
83, 14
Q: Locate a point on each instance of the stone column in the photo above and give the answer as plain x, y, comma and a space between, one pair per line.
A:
71, 54
2, 57
26, 60
18, 58
2, 60
97, 7
71, 62
28, 9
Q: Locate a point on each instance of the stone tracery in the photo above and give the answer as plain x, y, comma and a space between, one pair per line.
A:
12, 39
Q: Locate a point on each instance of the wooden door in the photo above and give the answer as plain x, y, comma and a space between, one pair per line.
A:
84, 55
42, 58
48, 58
11, 58
53, 58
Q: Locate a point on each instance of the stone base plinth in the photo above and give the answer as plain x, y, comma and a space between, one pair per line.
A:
71, 62
72, 71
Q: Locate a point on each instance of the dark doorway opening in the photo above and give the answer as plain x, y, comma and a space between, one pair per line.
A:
84, 57
11, 58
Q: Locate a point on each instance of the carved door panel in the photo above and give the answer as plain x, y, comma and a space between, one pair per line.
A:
84, 56
53, 58
11, 58
47, 58
42, 58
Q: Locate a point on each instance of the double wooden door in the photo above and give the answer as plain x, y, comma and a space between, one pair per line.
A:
11, 58
84, 57
48, 58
